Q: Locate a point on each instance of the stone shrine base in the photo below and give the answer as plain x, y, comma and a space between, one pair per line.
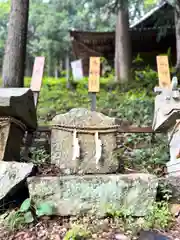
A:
96, 194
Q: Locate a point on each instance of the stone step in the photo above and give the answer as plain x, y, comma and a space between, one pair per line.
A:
96, 194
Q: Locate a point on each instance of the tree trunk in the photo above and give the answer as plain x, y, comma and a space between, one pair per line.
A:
29, 66
67, 70
122, 47
177, 27
50, 62
15, 51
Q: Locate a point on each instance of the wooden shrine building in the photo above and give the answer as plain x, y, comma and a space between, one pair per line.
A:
152, 35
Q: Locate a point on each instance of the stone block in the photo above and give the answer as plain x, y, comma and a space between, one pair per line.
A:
11, 135
75, 195
18, 103
86, 123
12, 174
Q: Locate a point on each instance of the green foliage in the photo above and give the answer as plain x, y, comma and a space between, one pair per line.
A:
40, 157
44, 209
5, 7
15, 220
26, 205
28, 217
146, 78
77, 232
140, 110
23, 216
149, 158
28, 213
159, 217
114, 213
164, 191
55, 97
138, 59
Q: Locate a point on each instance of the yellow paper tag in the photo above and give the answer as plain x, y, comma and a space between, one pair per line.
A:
94, 74
163, 71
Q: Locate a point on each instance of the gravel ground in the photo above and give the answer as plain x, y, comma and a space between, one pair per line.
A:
55, 229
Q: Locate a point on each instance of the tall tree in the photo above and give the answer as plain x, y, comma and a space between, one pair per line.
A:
123, 9
15, 50
122, 45
122, 37
123, 57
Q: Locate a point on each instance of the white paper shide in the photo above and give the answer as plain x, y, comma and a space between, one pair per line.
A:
77, 70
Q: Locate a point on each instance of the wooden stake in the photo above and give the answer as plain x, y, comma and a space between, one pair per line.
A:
93, 83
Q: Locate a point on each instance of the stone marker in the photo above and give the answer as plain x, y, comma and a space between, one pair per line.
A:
75, 195
17, 114
11, 175
166, 118
83, 141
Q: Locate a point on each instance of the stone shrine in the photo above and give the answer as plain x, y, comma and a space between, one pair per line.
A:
82, 146
17, 115
83, 141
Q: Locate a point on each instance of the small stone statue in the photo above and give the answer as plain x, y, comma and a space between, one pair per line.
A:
84, 142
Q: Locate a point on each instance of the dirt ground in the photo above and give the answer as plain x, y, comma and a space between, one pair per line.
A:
55, 229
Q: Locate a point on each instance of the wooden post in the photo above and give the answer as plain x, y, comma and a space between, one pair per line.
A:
37, 77
93, 83
67, 70
163, 71
35, 86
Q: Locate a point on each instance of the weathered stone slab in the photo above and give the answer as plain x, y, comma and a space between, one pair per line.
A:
74, 195
18, 103
11, 135
86, 123
166, 111
12, 174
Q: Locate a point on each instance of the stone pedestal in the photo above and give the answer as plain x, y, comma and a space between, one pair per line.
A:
133, 194
86, 124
